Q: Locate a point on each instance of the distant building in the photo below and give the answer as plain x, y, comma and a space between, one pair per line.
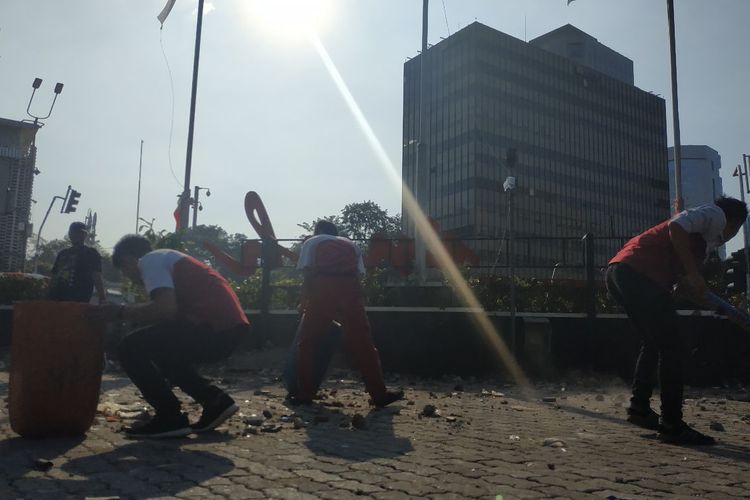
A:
17, 168
582, 48
586, 147
701, 182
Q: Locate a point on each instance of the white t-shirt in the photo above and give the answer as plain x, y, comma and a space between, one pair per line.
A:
307, 255
157, 268
707, 220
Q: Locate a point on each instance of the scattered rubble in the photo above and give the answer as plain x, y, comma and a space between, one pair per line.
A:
42, 464
430, 411
253, 420
554, 442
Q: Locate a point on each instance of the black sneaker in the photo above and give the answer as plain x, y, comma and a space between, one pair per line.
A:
161, 426
648, 419
683, 434
390, 397
215, 413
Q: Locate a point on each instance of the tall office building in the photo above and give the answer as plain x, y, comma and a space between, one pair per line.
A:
17, 168
587, 149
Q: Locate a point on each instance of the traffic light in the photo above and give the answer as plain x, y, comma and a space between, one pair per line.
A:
736, 273
72, 203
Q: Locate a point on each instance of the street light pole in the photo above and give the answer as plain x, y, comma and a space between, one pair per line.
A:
39, 233
678, 202
743, 189
509, 185
421, 171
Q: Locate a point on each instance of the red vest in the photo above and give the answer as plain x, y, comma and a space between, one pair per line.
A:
651, 253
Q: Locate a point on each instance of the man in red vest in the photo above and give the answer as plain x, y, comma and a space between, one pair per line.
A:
193, 316
331, 291
640, 278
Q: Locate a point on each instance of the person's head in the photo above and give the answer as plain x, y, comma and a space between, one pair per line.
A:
126, 253
77, 233
735, 212
326, 227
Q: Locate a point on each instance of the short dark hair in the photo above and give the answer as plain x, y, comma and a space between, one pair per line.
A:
733, 208
326, 227
130, 245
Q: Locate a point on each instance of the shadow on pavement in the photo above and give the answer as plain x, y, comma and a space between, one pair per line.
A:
20, 455
721, 449
144, 469
377, 440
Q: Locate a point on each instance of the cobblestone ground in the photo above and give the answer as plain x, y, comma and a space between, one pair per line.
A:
485, 438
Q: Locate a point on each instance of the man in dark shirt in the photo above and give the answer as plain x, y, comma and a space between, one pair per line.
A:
77, 270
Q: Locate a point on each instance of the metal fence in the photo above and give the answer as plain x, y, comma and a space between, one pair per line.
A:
532, 257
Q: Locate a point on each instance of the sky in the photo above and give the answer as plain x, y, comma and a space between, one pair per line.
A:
270, 117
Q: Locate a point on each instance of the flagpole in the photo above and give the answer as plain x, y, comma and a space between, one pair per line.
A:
138, 203
678, 202
185, 197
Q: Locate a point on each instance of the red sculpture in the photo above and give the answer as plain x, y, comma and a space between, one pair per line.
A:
382, 251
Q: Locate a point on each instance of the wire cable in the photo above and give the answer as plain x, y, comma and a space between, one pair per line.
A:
445, 15
171, 120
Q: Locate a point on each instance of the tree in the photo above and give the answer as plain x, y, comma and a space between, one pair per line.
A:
360, 221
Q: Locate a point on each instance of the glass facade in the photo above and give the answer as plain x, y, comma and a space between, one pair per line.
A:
587, 151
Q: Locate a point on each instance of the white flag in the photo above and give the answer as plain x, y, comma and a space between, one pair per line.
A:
165, 11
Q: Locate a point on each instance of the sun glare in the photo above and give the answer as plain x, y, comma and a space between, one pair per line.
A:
288, 20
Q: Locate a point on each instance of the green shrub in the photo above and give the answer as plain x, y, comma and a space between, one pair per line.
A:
17, 286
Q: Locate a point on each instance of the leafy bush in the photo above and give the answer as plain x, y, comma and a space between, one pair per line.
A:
18, 286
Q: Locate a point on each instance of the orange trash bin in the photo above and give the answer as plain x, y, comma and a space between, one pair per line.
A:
55, 369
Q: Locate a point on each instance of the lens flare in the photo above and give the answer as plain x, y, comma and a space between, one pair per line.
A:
432, 240
288, 21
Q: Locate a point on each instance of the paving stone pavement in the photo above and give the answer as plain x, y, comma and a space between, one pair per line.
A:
485, 439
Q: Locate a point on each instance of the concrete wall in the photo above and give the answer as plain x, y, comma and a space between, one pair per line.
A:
436, 343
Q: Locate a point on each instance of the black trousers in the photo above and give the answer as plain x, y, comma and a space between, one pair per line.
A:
161, 356
652, 313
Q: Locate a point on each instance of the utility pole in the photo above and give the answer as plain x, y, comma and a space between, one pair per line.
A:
185, 196
678, 202
421, 174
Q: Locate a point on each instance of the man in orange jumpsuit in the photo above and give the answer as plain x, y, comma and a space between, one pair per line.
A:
331, 291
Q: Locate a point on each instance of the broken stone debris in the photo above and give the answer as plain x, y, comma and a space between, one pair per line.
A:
253, 420
42, 464
717, 426
430, 411
554, 442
